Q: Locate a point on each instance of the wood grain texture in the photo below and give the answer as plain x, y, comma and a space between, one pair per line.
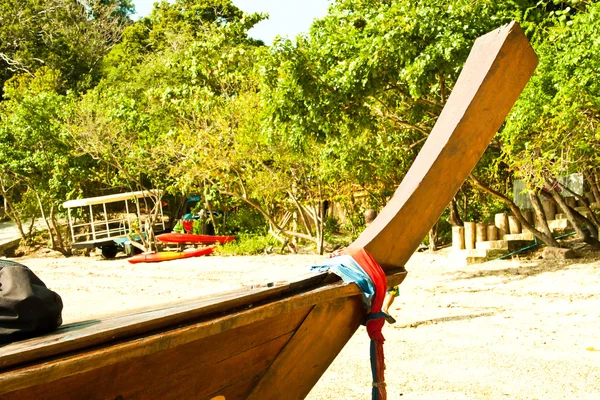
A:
85, 334
198, 369
43, 376
313, 348
498, 68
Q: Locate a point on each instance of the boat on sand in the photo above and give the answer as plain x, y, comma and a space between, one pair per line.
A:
275, 342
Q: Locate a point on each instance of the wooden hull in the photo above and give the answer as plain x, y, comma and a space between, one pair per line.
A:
275, 343
254, 353
170, 255
175, 237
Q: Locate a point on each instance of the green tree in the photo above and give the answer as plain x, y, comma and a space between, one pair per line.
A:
36, 155
161, 108
70, 36
359, 95
554, 130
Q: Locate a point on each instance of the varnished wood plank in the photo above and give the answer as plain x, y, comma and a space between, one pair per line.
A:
202, 363
89, 333
203, 382
89, 360
44, 374
198, 384
498, 67
313, 348
238, 391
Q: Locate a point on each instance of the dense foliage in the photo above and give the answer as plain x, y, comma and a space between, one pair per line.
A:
185, 101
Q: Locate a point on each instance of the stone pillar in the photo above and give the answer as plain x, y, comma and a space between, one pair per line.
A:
469, 235
492, 232
514, 225
481, 232
501, 222
458, 238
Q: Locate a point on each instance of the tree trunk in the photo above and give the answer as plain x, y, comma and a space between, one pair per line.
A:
60, 245
593, 230
454, 218
270, 219
210, 213
589, 177
30, 229
433, 238
595, 175
322, 226
542, 222
14, 216
548, 239
465, 205
157, 198
592, 219
570, 213
302, 213
317, 210
43, 213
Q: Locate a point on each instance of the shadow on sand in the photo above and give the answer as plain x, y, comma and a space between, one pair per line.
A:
529, 268
445, 319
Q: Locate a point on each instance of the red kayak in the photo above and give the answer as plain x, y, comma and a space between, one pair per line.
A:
170, 255
193, 238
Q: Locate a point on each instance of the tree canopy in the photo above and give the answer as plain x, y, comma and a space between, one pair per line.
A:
186, 101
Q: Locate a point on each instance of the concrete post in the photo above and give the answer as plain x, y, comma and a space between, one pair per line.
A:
469, 235
481, 232
501, 222
492, 232
458, 238
514, 225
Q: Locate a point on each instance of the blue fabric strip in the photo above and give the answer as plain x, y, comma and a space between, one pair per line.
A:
349, 270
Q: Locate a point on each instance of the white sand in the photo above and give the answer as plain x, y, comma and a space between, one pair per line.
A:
500, 330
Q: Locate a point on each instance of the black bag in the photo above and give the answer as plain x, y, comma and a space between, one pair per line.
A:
27, 307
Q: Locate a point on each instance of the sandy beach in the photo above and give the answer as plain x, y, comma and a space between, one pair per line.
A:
500, 330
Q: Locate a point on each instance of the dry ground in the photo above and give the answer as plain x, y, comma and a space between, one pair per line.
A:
500, 330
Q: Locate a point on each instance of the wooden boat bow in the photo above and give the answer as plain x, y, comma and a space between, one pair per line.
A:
276, 342
497, 69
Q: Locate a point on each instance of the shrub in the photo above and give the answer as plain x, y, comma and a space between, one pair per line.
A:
246, 221
247, 244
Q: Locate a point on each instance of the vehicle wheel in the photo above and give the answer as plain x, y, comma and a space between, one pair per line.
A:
109, 252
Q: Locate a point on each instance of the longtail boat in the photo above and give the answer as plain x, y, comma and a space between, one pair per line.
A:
274, 342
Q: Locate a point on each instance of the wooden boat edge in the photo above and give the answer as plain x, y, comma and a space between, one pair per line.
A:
17, 376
